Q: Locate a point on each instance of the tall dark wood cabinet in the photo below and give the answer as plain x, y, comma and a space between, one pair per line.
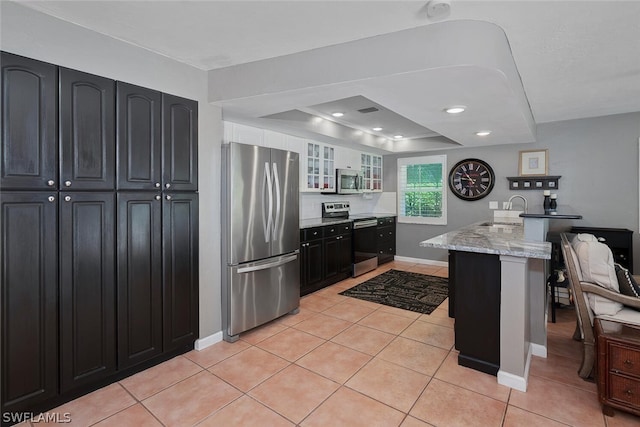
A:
87, 288
29, 300
139, 239
99, 243
87, 131
180, 269
29, 124
139, 117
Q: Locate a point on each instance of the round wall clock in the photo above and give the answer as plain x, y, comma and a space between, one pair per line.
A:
471, 179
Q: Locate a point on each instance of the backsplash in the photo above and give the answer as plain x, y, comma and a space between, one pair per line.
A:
311, 203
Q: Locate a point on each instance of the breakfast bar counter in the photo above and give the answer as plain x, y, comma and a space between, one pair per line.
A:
490, 296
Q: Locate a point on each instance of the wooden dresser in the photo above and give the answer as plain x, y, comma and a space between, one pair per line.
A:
618, 366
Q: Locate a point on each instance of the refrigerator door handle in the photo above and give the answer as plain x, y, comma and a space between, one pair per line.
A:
267, 226
276, 181
265, 265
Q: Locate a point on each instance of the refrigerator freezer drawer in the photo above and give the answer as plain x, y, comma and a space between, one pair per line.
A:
260, 292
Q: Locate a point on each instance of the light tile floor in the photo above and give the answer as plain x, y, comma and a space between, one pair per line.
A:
347, 362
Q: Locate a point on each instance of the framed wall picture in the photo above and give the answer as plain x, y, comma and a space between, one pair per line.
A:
533, 162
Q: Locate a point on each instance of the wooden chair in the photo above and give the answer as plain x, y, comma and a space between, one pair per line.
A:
585, 316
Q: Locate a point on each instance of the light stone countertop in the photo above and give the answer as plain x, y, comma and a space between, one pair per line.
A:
488, 237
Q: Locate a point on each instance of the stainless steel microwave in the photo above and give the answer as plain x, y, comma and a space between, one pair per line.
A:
348, 181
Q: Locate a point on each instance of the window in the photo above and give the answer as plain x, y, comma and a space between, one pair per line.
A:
422, 195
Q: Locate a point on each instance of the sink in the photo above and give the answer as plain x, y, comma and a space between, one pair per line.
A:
497, 225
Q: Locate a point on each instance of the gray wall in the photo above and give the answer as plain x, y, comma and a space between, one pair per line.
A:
597, 159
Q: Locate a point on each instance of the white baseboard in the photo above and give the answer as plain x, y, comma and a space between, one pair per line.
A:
205, 342
539, 350
515, 381
421, 261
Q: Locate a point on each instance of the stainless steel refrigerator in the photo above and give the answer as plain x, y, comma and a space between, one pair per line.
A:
260, 236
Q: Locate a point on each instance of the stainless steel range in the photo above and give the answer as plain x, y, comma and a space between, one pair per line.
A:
364, 250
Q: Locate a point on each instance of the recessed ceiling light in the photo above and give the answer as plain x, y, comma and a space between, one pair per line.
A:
378, 129
483, 133
337, 114
398, 136
457, 109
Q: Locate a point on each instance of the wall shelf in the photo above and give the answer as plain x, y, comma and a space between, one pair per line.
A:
546, 182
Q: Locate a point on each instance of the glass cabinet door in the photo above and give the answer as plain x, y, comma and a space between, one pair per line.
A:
328, 170
371, 167
313, 166
320, 173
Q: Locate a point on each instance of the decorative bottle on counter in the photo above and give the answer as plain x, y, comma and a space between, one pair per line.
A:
553, 204
547, 200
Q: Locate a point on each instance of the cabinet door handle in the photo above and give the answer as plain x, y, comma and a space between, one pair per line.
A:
629, 392
157, 185
628, 363
169, 197
158, 197
67, 198
67, 183
51, 199
51, 183
167, 185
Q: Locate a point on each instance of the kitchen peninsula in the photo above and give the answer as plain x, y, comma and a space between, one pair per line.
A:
490, 298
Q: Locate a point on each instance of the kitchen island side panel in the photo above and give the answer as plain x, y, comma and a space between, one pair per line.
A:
477, 310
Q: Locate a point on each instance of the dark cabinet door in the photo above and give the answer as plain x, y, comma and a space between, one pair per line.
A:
345, 254
29, 300
87, 288
139, 239
139, 137
332, 257
180, 269
29, 117
311, 265
87, 131
180, 142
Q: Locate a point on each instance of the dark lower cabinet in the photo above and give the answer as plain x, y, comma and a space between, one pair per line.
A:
180, 269
477, 328
325, 256
87, 288
29, 300
29, 148
311, 260
386, 237
139, 277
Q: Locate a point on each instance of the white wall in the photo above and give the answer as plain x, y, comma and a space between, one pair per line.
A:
35, 35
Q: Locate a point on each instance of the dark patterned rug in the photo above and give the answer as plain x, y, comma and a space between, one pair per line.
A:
402, 289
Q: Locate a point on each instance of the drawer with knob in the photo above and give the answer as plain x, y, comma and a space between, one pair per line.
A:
617, 369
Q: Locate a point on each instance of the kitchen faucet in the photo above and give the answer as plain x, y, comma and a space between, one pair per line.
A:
523, 199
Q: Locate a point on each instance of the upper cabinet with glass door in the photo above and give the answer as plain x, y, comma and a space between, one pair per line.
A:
319, 168
371, 167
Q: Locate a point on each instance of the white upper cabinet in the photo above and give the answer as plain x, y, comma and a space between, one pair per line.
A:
371, 167
318, 171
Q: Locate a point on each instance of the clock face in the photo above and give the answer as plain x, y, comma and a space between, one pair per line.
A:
471, 179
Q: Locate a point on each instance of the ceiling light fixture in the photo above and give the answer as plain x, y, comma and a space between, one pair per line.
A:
483, 133
378, 129
337, 114
398, 136
456, 109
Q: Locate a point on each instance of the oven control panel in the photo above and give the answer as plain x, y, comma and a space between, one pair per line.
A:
335, 209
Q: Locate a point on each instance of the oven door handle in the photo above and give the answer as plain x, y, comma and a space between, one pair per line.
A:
364, 224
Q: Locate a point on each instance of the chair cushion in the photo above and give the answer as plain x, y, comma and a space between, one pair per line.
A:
626, 282
596, 266
626, 315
